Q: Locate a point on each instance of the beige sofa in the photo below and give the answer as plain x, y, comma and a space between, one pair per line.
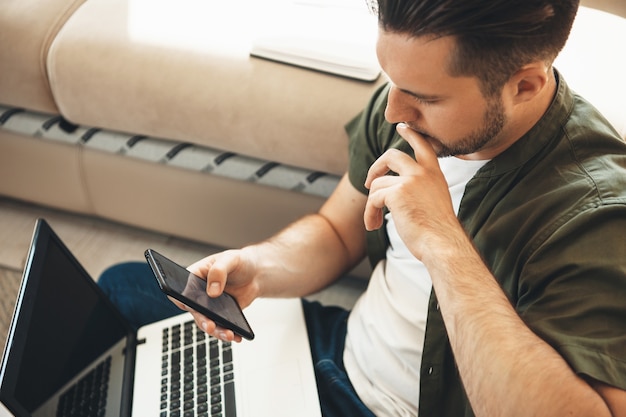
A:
80, 80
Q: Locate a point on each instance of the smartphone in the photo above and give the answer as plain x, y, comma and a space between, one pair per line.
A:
190, 290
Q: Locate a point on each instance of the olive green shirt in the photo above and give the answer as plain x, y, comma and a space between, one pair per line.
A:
548, 216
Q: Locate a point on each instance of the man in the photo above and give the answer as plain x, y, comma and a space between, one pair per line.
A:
494, 201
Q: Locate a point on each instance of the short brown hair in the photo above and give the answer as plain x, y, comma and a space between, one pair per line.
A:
494, 38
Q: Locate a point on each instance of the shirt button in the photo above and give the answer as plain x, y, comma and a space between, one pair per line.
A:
437, 306
430, 370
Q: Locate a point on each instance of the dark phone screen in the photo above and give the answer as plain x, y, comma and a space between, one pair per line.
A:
193, 288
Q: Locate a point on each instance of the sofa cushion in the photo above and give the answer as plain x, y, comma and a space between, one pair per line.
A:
182, 70
183, 155
27, 29
56, 178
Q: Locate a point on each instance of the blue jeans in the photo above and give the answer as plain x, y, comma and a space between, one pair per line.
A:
327, 335
133, 289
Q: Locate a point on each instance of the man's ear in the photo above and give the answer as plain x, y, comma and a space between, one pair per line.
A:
528, 82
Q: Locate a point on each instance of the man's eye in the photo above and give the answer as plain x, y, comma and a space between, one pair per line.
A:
425, 101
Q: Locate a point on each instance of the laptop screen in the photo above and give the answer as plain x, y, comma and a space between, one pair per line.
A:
62, 324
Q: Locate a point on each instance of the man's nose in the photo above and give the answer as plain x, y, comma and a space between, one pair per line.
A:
401, 107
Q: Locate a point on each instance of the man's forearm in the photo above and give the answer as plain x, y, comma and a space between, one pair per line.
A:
506, 369
302, 259
315, 250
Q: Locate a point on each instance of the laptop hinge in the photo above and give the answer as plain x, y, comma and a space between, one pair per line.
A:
129, 375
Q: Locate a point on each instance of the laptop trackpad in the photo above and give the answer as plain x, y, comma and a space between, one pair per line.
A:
265, 388
277, 375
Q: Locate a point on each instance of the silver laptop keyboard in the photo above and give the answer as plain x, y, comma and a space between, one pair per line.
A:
197, 374
87, 397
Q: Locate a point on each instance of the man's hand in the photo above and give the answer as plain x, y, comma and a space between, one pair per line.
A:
232, 271
418, 197
301, 259
229, 271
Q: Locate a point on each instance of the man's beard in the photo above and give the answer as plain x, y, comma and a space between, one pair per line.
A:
493, 123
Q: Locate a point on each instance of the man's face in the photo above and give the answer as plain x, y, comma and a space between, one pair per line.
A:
450, 112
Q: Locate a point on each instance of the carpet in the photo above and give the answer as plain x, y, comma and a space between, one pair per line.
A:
9, 286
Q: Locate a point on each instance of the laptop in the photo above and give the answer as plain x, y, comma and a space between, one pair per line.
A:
70, 352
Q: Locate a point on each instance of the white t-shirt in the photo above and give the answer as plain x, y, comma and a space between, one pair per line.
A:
386, 328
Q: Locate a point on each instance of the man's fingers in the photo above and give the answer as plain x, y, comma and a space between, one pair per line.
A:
201, 267
215, 270
218, 274
211, 328
376, 201
373, 218
178, 303
424, 152
393, 160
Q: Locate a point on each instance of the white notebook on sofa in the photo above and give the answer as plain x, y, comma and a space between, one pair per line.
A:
335, 38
